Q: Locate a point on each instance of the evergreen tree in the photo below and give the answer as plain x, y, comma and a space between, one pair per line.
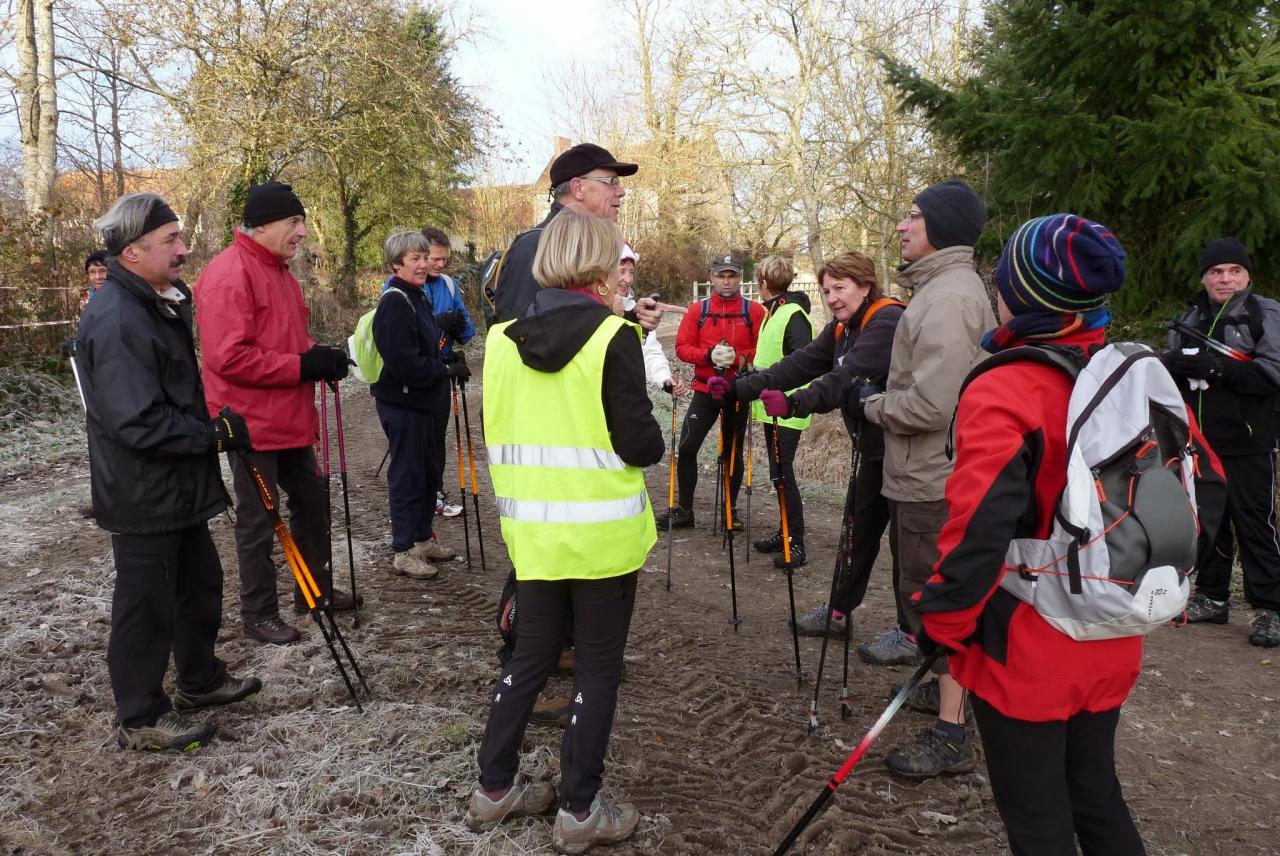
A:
1159, 119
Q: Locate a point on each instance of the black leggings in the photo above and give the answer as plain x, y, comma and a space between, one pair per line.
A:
788, 442
702, 416
870, 519
1055, 782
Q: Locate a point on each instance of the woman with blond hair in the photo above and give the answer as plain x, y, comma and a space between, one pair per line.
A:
568, 425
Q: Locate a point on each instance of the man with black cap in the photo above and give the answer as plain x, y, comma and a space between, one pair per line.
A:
155, 480
1235, 400
936, 344
260, 360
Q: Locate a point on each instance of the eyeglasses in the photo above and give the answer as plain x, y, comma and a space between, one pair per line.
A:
726, 274
614, 181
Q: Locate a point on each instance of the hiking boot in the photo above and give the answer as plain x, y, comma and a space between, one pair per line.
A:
551, 710
1265, 630
932, 754
171, 731
567, 661
815, 623
797, 556
524, 798
340, 600
608, 823
231, 691
273, 631
737, 525
444, 507
409, 565
681, 518
772, 544
432, 549
893, 648
1202, 608
927, 698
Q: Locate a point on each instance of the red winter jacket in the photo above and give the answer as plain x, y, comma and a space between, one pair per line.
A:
1009, 474
253, 327
724, 321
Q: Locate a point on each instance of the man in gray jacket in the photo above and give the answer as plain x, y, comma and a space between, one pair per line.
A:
936, 344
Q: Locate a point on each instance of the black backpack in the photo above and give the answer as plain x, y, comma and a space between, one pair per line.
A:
705, 306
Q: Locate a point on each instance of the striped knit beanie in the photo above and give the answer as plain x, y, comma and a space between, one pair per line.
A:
1059, 263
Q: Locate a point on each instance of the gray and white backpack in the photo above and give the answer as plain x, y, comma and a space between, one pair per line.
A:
1124, 532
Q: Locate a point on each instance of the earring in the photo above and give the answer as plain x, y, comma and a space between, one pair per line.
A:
602, 289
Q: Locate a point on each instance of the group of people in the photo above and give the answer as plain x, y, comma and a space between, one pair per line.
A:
569, 429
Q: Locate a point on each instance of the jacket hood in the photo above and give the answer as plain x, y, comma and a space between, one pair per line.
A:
555, 327
799, 298
919, 272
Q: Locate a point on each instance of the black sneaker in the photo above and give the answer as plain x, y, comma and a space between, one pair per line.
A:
931, 755
231, 691
772, 544
1265, 630
798, 557
171, 731
682, 518
1203, 609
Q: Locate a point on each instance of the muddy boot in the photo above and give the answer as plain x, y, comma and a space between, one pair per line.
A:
1203, 609
231, 691
682, 518
931, 755
1265, 630
893, 648
432, 550
273, 631
411, 566
798, 557
608, 823
171, 730
551, 710
524, 798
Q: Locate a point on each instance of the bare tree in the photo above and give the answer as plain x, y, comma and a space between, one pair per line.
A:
37, 102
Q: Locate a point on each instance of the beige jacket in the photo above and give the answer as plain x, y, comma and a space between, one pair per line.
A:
934, 348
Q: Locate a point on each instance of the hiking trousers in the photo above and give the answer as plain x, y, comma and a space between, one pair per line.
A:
1055, 782
870, 519
914, 528
599, 614
413, 473
1250, 524
701, 419
788, 442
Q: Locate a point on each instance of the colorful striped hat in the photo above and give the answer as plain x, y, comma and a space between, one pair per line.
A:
1059, 263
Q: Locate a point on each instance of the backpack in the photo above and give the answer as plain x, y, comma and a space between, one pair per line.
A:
876, 306
705, 304
1125, 528
490, 272
360, 344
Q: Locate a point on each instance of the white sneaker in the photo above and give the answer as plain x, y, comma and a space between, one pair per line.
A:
444, 507
432, 549
410, 565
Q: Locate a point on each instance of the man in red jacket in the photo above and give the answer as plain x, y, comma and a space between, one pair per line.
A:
717, 337
260, 361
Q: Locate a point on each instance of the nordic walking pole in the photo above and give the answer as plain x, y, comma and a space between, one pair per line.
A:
671, 489
325, 470
749, 465
856, 755
728, 523
471, 462
318, 605
346, 498
462, 478
386, 456
845, 710
786, 549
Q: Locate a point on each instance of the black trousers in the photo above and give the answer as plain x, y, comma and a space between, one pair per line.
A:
700, 419
1250, 523
599, 614
440, 415
870, 519
308, 504
413, 475
788, 442
1055, 782
167, 598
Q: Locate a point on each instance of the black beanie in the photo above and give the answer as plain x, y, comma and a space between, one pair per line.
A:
953, 214
1224, 251
270, 202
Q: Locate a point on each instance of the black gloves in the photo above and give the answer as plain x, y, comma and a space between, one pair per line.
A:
324, 363
855, 401
453, 323
458, 370
229, 431
1214, 368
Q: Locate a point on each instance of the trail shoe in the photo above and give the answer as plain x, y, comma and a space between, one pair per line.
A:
797, 556
231, 691
893, 648
432, 549
406, 564
1265, 630
1202, 608
772, 544
931, 755
171, 731
525, 798
444, 507
273, 631
551, 710
682, 518
341, 601
608, 823
927, 698
815, 623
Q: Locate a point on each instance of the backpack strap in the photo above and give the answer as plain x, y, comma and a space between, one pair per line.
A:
746, 312
490, 292
449, 284
876, 306
704, 310
1254, 311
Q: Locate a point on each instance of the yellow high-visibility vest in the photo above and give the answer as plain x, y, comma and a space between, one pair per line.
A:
769, 351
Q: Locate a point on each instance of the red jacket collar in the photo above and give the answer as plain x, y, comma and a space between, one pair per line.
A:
261, 253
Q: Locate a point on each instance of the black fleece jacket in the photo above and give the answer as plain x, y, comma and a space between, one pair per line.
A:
407, 337
555, 327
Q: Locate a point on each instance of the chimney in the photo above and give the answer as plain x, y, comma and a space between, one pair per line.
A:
563, 145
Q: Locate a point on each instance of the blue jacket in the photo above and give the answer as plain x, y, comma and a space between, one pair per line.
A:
444, 296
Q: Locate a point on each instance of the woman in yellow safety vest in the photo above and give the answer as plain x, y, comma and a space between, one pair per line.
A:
568, 425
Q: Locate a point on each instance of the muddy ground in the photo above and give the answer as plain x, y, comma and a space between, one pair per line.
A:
710, 741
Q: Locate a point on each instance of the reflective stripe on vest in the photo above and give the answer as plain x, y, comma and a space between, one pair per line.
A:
569, 507
769, 351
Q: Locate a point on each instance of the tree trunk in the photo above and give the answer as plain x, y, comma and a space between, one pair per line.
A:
28, 103
46, 149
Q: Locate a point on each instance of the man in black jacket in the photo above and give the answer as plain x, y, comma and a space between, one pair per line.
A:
1235, 400
155, 481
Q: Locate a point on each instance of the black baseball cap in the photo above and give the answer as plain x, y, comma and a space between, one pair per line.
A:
727, 261
583, 158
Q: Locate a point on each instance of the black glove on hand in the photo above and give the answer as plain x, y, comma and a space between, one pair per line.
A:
459, 371
229, 431
1189, 365
454, 323
855, 401
324, 363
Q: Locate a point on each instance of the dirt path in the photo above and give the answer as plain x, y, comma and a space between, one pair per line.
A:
710, 740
